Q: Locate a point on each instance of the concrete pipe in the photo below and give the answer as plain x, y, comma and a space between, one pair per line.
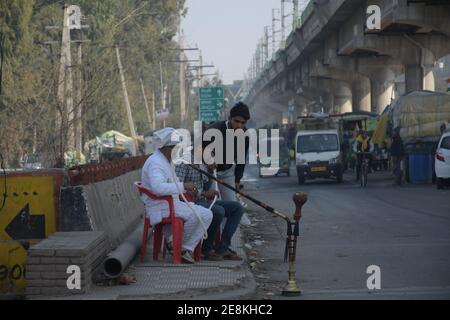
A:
118, 260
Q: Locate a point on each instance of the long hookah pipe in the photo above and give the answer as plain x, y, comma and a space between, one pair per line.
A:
299, 199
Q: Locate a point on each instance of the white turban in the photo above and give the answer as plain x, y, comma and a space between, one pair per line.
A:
165, 137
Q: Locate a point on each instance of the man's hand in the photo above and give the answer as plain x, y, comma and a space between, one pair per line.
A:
210, 194
190, 187
212, 167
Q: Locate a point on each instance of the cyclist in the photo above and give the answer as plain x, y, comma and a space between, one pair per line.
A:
362, 145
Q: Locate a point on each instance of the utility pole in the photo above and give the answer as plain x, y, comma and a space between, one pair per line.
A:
75, 23
153, 111
274, 19
295, 14
78, 116
65, 119
260, 59
261, 52
266, 44
125, 95
182, 81
163, 92
200, 71
283, 25
255, 65
149, 118
69, 122
257, 60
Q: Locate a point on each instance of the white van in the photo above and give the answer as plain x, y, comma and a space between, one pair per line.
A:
318, 154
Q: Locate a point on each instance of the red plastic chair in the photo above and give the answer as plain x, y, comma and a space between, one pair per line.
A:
177, 229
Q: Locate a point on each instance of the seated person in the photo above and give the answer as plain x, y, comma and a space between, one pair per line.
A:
232, 210
159, 178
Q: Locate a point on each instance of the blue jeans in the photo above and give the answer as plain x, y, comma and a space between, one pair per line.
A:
233, 211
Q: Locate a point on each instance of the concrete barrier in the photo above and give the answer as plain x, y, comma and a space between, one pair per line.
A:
112, 206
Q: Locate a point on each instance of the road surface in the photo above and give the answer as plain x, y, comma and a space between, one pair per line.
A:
403, 230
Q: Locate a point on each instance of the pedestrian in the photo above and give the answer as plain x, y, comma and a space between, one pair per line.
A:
232, 173
159, 177
384, 156
397, 154
231, 210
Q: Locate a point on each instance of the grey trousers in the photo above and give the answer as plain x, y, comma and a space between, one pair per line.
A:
227, 177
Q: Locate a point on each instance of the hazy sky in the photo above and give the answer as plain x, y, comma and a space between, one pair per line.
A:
227, 31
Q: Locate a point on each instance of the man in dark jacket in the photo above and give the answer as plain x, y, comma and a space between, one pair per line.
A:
231, 173
397, 154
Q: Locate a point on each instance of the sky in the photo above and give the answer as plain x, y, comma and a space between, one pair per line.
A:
227, 32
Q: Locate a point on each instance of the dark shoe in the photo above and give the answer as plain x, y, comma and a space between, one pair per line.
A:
169, 248
186, 257
212, 256
231, 255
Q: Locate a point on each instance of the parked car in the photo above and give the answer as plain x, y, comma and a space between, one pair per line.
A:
32, 162
283, 160
442, 161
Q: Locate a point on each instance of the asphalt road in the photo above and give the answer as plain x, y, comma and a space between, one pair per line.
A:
403, 230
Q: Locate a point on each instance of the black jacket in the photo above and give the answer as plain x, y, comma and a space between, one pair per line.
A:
239, 169
397, 148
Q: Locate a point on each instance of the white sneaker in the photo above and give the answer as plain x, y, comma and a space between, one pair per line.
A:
242, 202
186, 257
245, 221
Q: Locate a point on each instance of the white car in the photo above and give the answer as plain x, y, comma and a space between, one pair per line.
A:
442, 160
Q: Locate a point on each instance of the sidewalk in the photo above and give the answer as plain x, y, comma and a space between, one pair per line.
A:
162, 280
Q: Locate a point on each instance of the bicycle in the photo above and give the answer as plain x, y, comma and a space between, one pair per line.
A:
364, 168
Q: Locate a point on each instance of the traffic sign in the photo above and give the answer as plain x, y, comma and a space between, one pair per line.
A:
211, 93
29, 215
211, 103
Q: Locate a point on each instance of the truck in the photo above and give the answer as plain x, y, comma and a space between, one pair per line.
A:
113, 145
420, 115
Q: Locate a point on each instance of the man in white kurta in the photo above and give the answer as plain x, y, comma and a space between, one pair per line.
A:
157, 176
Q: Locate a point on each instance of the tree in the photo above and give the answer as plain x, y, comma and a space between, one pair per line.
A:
144, 30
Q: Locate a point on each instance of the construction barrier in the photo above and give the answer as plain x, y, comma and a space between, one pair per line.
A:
29, 214
93, 197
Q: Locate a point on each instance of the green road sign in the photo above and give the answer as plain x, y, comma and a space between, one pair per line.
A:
210, 116
211, 102
211, 93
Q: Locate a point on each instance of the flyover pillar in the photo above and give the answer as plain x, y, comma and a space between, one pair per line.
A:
420, 76
361, 94
342, 97
382, 89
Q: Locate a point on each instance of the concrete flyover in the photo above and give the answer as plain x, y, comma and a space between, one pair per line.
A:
333, 63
